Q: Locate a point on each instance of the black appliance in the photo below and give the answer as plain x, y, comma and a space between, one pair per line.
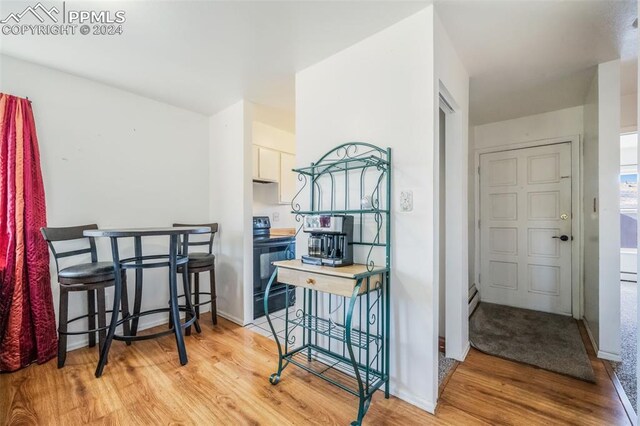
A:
330, 240
266, 250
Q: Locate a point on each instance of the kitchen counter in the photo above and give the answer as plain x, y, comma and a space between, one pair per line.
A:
282, 232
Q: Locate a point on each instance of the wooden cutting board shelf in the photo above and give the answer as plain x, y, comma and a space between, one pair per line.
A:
340, 329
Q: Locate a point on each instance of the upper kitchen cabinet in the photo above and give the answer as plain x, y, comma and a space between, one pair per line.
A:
268, 165
273, 159
256, 162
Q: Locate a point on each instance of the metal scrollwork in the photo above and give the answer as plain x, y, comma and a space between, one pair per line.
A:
295, 206
378, 219
291, 338
350, 151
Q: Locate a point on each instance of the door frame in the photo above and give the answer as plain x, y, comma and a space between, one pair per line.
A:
576, 212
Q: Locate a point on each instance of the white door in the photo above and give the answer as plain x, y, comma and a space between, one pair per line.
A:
525, 216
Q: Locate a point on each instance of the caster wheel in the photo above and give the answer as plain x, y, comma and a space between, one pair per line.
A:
274, 379
355, 423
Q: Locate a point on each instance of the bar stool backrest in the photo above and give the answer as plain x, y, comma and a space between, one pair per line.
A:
52, 235
209, 242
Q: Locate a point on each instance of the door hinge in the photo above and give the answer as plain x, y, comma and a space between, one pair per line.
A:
478, 223
479, 278
478, 169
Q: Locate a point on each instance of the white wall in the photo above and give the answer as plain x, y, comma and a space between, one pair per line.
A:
549, 125
381, 90
265, 203
609, 208
116, 159
231, 194
269, 136
452, 81
629, 112
276, 117
591, 229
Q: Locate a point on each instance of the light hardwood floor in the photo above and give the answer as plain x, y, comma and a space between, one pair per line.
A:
225, 383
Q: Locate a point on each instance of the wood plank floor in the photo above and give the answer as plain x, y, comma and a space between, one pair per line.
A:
226, 383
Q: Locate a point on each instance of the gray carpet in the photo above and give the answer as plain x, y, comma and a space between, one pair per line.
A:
544, 340
626, 370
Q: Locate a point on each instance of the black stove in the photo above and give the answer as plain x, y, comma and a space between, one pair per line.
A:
266, 250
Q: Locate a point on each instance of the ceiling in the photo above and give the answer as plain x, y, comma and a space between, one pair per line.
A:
528, 57
204, 56
524, 56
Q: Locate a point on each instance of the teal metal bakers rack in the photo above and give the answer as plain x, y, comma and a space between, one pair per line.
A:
340, 329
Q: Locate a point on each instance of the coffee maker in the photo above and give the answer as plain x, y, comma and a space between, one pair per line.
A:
329, 240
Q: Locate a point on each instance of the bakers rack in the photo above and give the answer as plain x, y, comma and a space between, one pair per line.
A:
340, 329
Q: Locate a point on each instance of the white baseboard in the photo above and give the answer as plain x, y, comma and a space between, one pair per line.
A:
599, 353
231, 318
591, 338
465, 352
422, 403
609, 356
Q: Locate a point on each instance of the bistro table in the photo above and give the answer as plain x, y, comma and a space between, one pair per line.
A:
139, 262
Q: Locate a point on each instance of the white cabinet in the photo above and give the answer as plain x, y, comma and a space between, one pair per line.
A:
256, 162
268, 165
287, 178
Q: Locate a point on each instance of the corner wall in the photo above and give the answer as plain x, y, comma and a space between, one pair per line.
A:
591, 229
381, 91
231, 206
452, 82
609, 208
601, 193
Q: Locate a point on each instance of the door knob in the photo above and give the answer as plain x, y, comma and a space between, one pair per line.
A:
562, 237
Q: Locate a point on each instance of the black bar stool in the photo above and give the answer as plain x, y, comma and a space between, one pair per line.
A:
91, 277
202, 262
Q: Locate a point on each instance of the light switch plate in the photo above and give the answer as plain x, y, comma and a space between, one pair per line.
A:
406, 201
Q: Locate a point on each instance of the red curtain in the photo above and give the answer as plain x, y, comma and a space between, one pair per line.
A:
27, 319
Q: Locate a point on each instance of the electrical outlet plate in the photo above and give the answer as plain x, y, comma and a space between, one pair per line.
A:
406, 201
276, 216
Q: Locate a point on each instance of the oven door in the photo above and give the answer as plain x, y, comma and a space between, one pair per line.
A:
264, 254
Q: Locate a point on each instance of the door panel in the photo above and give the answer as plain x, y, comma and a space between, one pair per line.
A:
525, 201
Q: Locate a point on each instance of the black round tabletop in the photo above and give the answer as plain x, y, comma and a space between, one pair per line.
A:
146, 232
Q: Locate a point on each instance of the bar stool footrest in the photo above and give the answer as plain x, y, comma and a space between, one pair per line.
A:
95, 330
139, 261
154, 335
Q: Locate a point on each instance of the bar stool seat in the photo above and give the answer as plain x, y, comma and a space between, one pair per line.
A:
199, 260
86, 273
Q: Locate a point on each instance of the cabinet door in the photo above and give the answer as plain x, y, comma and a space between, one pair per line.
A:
269, 164
287, 178
256, 156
